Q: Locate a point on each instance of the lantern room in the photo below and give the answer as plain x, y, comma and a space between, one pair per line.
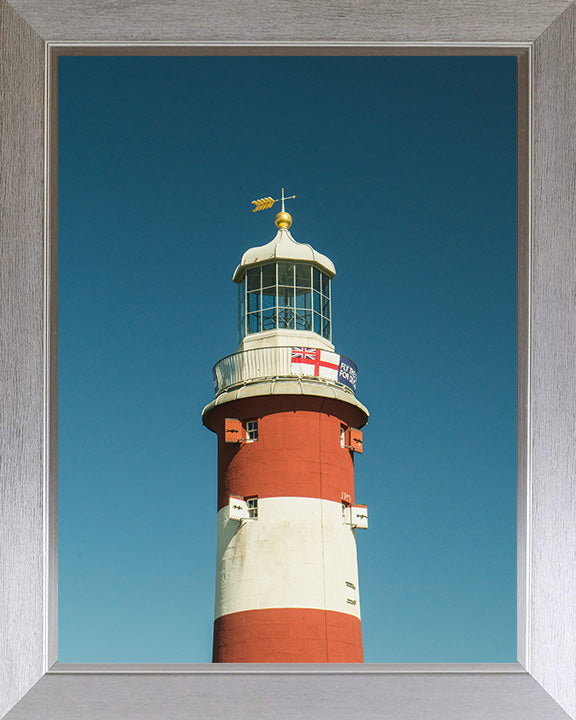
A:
284, 293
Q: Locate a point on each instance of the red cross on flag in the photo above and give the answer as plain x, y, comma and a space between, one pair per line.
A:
316, 362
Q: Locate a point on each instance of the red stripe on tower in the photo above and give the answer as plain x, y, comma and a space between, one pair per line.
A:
287, 635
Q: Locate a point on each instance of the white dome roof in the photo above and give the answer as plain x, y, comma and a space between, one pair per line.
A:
283, 247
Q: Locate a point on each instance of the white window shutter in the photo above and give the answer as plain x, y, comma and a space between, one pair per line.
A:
359, 516
238, 508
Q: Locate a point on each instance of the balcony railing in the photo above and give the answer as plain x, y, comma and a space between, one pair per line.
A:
275, 362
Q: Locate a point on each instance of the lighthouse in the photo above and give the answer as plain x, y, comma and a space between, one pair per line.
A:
289, 430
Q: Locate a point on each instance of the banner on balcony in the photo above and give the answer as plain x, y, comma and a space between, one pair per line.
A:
324, 364
347, 373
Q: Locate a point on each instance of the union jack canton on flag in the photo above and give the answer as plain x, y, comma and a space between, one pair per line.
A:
303, 353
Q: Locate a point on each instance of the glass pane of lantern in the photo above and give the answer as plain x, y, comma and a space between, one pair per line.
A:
285, 297
268, 297
303, 275
317, 304
240, 301
316, 276
325, 285
269, 319
253, 301
285, 273
269, 275
304, 320
317, 323
253, 322
253, 278
303, 298
286, 318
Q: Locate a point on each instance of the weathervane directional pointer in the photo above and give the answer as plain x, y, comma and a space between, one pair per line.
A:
267, 202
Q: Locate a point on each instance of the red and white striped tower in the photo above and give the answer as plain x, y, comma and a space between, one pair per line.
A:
287, 421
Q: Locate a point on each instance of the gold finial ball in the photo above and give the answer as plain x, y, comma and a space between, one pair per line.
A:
283, 220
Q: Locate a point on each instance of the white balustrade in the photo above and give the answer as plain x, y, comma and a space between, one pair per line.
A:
265, 363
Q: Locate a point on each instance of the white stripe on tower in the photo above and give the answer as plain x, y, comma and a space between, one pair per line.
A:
298, 553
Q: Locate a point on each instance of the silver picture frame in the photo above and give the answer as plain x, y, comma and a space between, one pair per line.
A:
542, 684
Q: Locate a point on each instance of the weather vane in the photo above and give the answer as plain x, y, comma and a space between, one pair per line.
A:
267, 202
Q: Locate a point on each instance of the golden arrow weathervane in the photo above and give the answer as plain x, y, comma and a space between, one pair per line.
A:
267, 202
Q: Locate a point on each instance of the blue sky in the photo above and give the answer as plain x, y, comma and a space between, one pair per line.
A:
405, 175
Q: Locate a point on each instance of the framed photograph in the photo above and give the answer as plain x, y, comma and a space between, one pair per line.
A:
541, 682
151, 228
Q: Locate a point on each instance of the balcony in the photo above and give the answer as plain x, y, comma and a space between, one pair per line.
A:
271, 363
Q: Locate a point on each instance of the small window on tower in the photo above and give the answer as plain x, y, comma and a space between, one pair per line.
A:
343, 429
251, 430
252, 503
